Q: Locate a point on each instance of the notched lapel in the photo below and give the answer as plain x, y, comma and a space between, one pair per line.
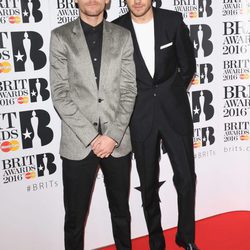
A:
137, 52
162, 40
158, 30
83, 53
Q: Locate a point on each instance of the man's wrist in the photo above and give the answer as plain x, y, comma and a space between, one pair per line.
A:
98, 135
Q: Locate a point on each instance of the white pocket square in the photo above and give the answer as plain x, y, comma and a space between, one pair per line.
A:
166, 45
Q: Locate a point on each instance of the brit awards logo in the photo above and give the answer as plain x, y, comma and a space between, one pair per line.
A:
11, 91
34, 128
20, 11
204, 74
28, 167
194, 8
202, 107
237, 131
9, 133
67, 11
203, 111
236, 38
235, 7
30, 129
237, 69
236, 101
38, 90
203, 137
201, 36
21, 51
23, 91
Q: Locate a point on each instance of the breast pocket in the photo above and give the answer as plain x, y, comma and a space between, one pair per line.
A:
167, 49
165, 46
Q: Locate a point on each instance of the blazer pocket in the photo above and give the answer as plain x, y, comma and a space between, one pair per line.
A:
166, 45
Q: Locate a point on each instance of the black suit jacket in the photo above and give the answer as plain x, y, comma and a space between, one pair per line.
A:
166, 92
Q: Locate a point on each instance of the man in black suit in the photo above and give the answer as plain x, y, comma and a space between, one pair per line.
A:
165, 65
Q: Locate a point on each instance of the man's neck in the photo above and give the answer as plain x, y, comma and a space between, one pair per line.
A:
147, 17
92, 20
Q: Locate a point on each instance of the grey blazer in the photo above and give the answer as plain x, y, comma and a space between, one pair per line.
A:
76, 97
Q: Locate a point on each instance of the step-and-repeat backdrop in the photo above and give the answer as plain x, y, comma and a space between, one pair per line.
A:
31, 210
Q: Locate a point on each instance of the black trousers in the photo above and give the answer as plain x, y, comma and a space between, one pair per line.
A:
78, 181
180, 151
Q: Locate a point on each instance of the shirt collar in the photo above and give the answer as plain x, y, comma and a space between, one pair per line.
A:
88, 28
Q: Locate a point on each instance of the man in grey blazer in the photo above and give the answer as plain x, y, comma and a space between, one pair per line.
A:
93, 89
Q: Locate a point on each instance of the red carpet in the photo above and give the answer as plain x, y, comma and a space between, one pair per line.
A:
229, 231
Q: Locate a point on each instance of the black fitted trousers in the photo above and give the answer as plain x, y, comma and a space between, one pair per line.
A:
78, 181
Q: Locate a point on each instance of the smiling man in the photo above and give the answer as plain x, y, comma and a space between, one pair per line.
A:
93, 89
165, 64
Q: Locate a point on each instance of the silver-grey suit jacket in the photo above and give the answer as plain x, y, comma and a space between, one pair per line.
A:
75, 94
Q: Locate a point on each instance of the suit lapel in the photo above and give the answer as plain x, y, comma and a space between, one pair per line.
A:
162, 37
106, 55
83, 53
157, 34
137, 51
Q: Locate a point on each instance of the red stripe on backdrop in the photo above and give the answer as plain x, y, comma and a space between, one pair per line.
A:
228, 231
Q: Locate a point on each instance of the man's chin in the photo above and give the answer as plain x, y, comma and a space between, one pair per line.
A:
94, 13
138, 13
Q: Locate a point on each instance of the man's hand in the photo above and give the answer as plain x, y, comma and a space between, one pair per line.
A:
94, 141
103, 146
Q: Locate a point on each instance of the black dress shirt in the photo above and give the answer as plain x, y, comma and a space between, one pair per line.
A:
93, 37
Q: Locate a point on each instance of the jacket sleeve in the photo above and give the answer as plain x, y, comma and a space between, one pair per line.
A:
128, 93
60, 91
185, 53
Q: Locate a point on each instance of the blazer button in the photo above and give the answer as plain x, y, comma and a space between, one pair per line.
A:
95, 123
100, 100
154, 94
